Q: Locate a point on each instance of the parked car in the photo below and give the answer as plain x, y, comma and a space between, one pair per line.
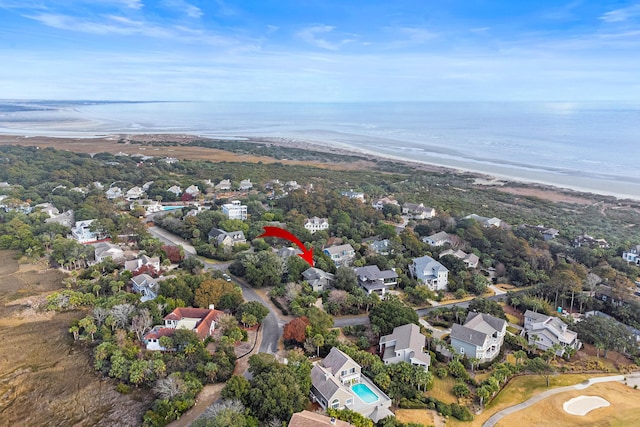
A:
226, 277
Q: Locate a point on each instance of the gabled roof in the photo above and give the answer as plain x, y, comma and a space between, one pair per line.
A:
335, 360
477, 327
427, 263
406, 336
313, 419
468, 335
338, 250
206, 316
372, 273
483, 321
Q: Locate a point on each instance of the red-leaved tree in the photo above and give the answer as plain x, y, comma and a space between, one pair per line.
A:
296, 330
174, 253
148, 268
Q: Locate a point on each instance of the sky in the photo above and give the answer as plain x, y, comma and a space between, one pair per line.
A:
320, 51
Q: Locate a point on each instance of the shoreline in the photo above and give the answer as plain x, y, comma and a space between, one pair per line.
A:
492, 175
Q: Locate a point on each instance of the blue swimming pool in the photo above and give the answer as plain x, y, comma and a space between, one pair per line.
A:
364, 393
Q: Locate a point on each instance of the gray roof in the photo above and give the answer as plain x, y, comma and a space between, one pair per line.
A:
477, 327
326, 385
441, 235
379, 413
288, 252
471, 336
372, 273
315, 274
406, 336
338, 250
426, 263
537, 317
335, 360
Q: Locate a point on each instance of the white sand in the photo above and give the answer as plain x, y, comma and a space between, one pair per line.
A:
582, 405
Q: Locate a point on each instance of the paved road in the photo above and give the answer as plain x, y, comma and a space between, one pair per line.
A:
171, 239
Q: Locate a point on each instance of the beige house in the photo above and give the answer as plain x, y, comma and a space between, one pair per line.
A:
405, 344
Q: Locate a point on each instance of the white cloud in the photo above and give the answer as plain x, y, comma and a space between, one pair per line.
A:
187, 8
621, 15
312, 35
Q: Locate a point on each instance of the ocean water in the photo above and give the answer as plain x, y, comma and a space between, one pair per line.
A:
587, 146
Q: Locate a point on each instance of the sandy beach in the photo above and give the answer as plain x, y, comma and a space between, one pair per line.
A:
542, 184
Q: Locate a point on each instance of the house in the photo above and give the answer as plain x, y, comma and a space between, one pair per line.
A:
584, 240
316, 224
418, 211
405, 344
544, 331
235, 210
114, 193
288, 252
484, 221
82, 233
292, 185
49, 209
245, 184
314, 419
66, 218
341, 254
480, 337
372, 280
549, 233
382, 247
354, 195
223, 185
337, 382
437, 239
146, 286
81, 190
200, 320
105, 250
169, 160
147, 185
134, 193
149, 206
226, 238
318, 279
175, 189
142, 261
632, 255
430, 272
273, 184
470, 260
193, 190
378, 204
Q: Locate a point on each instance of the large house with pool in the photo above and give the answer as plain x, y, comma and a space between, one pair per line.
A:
337, 382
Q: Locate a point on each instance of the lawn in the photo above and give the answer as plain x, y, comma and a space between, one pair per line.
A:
422, 416
442, 389
624, 409
512, 319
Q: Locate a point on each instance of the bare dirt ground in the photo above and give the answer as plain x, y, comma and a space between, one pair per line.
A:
44, 379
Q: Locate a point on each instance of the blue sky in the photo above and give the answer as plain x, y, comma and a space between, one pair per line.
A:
306, 50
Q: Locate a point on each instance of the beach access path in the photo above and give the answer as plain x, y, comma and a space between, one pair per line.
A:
538, 397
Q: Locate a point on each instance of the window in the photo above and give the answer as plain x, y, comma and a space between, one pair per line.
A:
343, 373
335, 403
349, 402
352, 370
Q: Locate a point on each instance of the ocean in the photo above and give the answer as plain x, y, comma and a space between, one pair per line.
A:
585, 146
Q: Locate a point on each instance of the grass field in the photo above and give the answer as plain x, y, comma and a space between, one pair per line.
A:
624, 409
422, 416
442, 390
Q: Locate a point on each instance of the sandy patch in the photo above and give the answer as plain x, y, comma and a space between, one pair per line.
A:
582, 405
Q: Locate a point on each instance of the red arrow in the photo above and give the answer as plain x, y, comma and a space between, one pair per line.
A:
306, 255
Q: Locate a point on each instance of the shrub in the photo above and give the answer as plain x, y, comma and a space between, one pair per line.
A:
123, 388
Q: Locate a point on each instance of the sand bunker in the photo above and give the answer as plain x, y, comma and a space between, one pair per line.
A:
582, 405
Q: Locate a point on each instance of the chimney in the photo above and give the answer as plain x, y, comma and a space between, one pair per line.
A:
211, 307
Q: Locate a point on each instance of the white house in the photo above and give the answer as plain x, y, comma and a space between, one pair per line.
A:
223, 185
544, 331
437, 239
316, 224
319, 280
193, 190
175, 189
149, 206
354, 195
378, 204
200, 320
245, 184
341, 254
49, 209
104, 250
481, 336
134, 193
430, 272
235, 210
82, 233
484, 221
66, 218
405, 344
226, 238
146, 286
470, 260
418, 211
114, 193
632, 255
142, 261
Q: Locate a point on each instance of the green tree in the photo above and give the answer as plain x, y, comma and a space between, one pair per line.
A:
254, 308
237, 387
390, 313
223, 294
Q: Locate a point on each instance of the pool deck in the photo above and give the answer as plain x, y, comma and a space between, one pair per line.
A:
367, 408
